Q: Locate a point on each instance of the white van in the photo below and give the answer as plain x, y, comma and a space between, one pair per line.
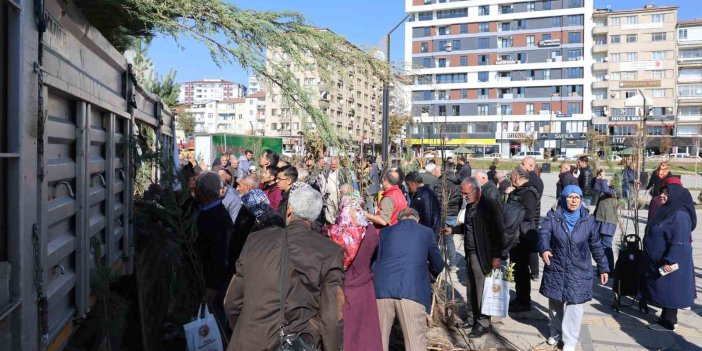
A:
523, 154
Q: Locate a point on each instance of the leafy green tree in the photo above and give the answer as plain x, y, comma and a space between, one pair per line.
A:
166, 88
186, 122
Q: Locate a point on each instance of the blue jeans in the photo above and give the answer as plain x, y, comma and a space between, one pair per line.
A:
609, 252
450, 245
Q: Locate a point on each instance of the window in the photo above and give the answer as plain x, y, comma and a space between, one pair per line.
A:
442, 45
546, 106
426, 16
483, 43
444, 30
529, 109
506, 109
426, 31
615, 21
690, 90
424, 79
463, 94
452, 13
546, 36
658, 92
658, 18
575, 72
574, 37
573, 108
456, 110
521, 24
483, 93
424, 47
483, 60
547, 74
659, 74
631, 19
274, 126
530, 40
615, 57
464, 61
615, 39
506, 9
506, 26
659, 55
599, 94
464, 28
575, 20
629, 75
682, 34
658, 36
575, 55
442, 110
456, 44
483, 77
531, 6
483, 110
600, 40
557, 21
484, 10
426, 62
630, 56
441, 62
546, 4
575, 3
505, 42
631, 38
629, 93
483, 27
451, 78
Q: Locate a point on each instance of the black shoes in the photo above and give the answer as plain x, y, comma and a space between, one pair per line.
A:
516, 307
478, 331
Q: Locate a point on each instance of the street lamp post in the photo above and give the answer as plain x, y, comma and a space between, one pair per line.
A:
386, 96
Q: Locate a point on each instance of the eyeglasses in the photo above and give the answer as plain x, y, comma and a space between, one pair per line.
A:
281, 179
468, 193
573, 197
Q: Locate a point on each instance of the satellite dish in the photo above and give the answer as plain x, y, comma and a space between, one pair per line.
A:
379, 55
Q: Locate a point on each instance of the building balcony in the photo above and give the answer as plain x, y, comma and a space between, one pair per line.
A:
600, 48
600, 66
687, 100
689, 61
600, 103
600, 30
690, 119
689, 79
601, 84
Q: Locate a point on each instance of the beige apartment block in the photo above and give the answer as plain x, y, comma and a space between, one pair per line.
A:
352, 99
634, 51
688, 130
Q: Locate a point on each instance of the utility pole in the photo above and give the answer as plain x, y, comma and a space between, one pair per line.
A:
386, 96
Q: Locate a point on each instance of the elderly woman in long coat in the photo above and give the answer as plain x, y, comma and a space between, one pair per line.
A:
568, 240
668, 243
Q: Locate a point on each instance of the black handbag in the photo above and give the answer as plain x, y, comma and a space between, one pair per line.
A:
288, 341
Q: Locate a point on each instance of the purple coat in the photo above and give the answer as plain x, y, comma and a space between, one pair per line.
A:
360, 310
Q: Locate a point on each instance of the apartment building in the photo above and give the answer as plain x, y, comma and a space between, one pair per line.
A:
634, 52
688, 130
256, 84
236, 116
201, 91
498, 75
352, 100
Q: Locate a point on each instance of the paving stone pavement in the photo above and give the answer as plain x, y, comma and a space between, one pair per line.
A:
603, 329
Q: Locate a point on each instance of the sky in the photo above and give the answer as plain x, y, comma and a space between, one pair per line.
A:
362, 22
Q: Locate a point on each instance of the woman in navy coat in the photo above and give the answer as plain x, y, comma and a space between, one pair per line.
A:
568, 240
668, 242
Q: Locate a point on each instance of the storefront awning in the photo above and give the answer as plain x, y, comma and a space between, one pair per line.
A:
452, 141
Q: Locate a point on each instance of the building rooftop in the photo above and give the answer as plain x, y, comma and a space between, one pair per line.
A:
258, 94
234, 101
206, 80
645, 9
690, 22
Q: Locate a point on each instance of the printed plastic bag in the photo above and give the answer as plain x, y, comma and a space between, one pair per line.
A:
495, 295
202, 334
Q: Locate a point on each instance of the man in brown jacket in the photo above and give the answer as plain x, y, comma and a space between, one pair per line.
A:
314, 293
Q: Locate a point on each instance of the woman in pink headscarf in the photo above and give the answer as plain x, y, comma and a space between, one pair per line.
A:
359, 239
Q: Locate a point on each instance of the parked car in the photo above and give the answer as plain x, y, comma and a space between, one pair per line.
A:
523, 154
680, 155
495, 156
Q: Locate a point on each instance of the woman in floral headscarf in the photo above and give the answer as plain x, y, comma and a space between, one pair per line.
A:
359, 239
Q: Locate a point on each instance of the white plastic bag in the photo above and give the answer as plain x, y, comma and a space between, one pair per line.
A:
202, 334
495, 295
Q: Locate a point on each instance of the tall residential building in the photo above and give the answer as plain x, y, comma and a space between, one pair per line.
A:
689, 122
634, 51
236, 116
502, 74
352, 100
201, 91
256, 84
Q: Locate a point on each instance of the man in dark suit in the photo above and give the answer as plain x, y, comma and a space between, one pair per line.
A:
314, 294
407, 254
483, 230
424, 201
487, 188
464, 170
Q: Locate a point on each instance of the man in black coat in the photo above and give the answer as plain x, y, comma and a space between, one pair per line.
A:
424, 201
565, 178
463, 171
523, 192
585, 179
487, 188
534, 180
483, 230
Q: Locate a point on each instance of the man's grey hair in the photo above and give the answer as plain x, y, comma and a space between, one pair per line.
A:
302, 174
480, 174
408, 212
209, 184
520, 172
501, 174
305, 203
392, 177
430, 167
472, 181
250, 181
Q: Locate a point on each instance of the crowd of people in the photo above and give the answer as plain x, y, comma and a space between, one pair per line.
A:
359, 247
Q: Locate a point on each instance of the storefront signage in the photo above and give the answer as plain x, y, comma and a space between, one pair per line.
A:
563, 115
561, 136
505, 62
550, 42
646, 83
640, 65
625, 119
618, 140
